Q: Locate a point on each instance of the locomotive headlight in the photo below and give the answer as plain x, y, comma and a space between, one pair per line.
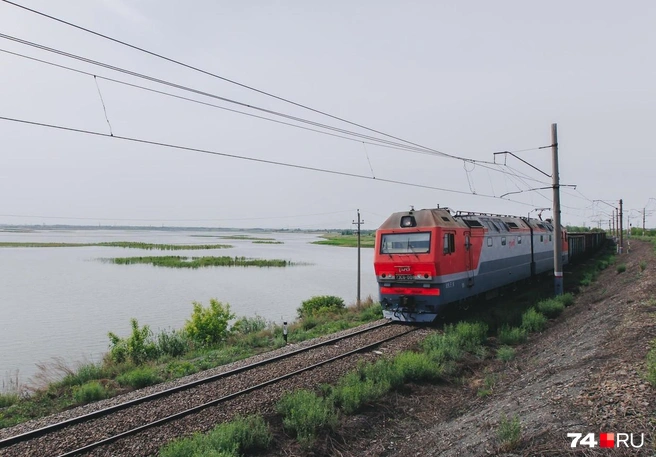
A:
408, 221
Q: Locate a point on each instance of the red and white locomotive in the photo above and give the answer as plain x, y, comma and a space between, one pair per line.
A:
428, 258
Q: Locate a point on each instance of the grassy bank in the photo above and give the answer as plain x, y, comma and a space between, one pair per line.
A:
333, 239
144, 358
118, 244
200, 262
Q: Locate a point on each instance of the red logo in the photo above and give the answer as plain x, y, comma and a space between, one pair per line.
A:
404, 269
607, 440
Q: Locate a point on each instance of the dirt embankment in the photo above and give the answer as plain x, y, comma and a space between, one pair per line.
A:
583, 374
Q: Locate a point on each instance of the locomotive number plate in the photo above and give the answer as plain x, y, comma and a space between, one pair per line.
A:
404, 277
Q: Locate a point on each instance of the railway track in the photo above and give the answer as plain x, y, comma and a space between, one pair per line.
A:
141, 425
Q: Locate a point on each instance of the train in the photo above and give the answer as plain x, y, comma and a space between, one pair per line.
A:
429, 258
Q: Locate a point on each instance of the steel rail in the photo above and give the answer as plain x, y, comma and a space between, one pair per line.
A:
214, 402
6, 442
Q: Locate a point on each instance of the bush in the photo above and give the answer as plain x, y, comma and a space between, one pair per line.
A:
511, 335
509, 432
172, 343
319, 305
209, 326
139, 377
352, 391
304, 413
621, 268
138, 347
643, 265
91, 391
532, 321
505, 353
566, 299
230, 439
246, 325
551, 307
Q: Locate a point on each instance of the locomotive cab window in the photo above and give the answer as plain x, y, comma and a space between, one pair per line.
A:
405, 243
449, 243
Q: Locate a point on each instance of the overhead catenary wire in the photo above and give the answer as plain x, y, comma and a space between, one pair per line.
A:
235, 156
223, 78
374, 142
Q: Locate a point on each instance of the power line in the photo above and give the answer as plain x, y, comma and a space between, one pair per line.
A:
207, 94
177, 62
251, 159
379, 142
180, 97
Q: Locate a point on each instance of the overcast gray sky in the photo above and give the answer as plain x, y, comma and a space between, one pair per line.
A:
465, 78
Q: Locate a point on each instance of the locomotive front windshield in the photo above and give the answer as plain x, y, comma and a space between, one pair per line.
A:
405, 243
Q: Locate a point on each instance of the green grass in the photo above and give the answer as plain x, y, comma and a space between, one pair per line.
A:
643, 265
305, 414
651, 364
351, 241
505, 353
551, 307
231, 439
200, 262
8, 399
511, 335
621, 268
533, 321
509, 432
267, 242
89, 392
118, 244
245, 237
139, 377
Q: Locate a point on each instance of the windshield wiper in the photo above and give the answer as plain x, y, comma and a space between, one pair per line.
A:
412, 249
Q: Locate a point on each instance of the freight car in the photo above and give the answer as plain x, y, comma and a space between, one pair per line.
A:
429, 258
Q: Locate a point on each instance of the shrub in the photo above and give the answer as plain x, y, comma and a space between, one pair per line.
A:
246, 325
602, 264
139, 377
551, 307
138, 347
505, 353
304, 413
172, 343
509, 432
178, 369
209, 326
532, 321
643, 265
320, 304
566, 299
511, 335
371, 313
91, 391
621, 268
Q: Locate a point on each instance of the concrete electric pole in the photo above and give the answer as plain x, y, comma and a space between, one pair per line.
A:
358, 223
558, 236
